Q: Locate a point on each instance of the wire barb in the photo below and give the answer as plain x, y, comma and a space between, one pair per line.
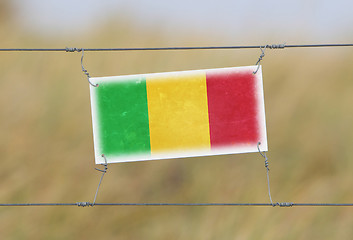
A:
68, 49
263, 154
276, 46
84, 204
103, 172
285, 204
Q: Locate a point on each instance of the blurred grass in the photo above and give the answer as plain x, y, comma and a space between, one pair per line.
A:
47, 147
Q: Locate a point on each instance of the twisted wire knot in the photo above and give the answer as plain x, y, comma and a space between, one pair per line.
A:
273, 46
260, 59
276, 46
68, 49
283, 204
84, 204
267, 164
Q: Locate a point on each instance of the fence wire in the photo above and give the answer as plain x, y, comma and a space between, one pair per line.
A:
88, 204
268, 46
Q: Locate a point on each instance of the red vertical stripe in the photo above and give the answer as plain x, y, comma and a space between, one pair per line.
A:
232, 107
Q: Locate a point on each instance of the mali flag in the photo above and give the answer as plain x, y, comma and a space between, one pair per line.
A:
178, 114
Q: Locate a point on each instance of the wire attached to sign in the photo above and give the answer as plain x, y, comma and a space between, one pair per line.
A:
84, 70
260, 59
263, 154
103, 172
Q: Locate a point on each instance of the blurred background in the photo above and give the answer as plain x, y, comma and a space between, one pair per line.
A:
46, 141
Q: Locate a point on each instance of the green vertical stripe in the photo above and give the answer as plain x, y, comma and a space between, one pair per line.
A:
123, 116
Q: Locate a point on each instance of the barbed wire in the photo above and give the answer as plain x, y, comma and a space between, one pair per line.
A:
269, 46
88, 204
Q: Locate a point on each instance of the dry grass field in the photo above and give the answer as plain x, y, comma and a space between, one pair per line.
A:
46, 145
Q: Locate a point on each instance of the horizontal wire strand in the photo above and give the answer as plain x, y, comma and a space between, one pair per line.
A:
85, 204
273, 46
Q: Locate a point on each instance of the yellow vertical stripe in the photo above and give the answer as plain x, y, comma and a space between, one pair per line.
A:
178, 111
